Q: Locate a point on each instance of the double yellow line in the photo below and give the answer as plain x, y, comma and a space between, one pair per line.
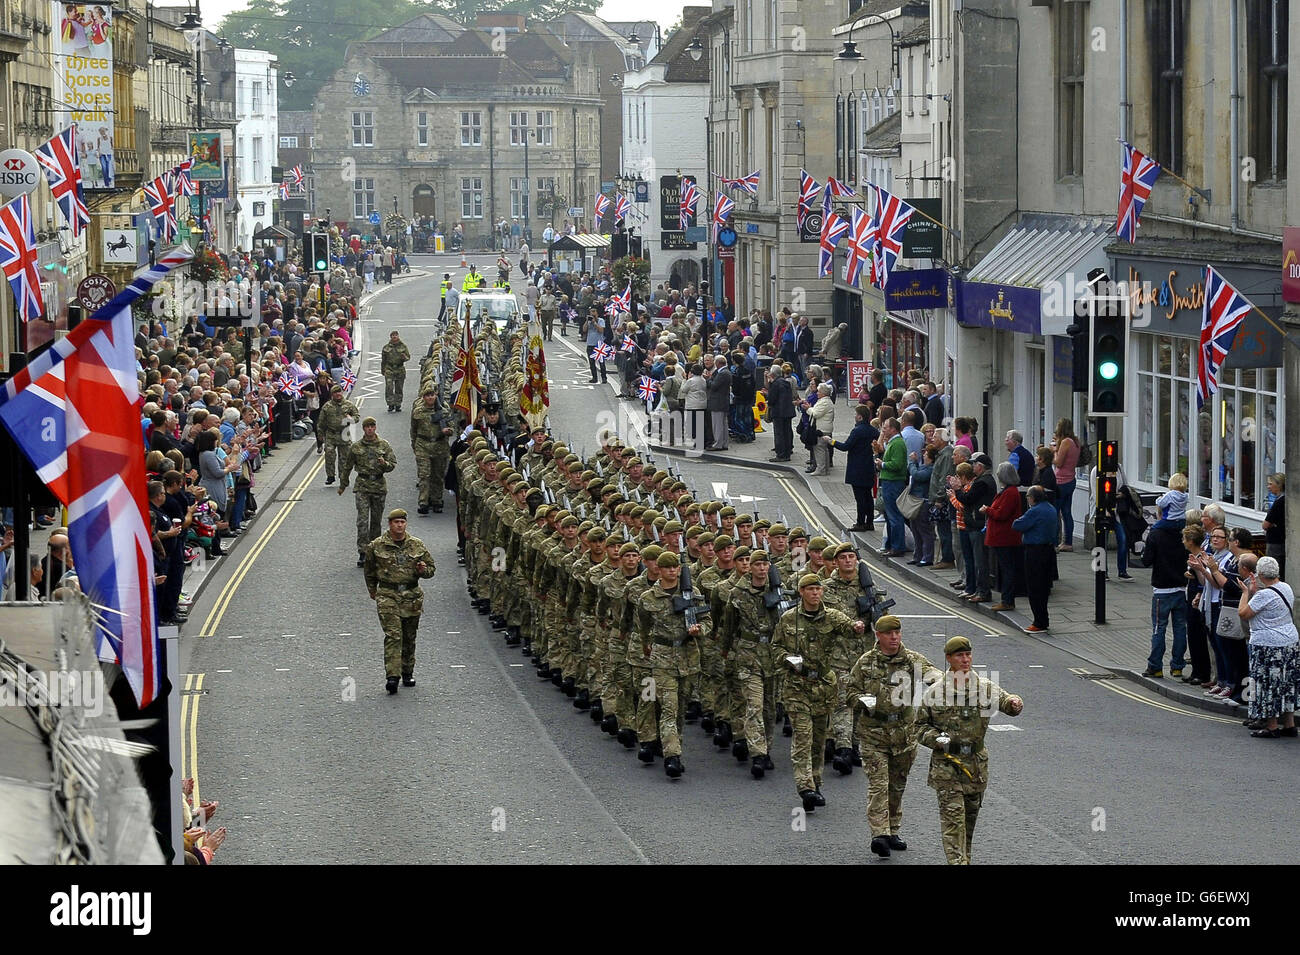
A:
1158, 704
190, 729
817, 526
218, 610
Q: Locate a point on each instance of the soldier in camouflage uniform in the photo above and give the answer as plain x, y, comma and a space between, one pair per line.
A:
392, 362
612, 608
430, 430
594, 638
747, 649
805, 640
842, 591
336, 415
884, 686
639, 653
669, 633
372, 457
730, 698
395, 564
952, 721
712, 692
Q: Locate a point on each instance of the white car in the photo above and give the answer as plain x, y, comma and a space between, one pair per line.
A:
499, 305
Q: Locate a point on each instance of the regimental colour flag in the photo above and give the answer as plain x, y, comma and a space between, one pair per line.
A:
162, 205
891, 217
602, 206
18, 257
535, 398
74, 411
465, 380
621, 206
58, 159
862, 241
808, 191
690, 195
1222, 315
1136, 178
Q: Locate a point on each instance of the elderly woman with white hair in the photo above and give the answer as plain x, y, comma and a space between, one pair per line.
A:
1000, 536
821, 421
1269, 605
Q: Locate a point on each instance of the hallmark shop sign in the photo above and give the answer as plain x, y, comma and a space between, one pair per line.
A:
83, 58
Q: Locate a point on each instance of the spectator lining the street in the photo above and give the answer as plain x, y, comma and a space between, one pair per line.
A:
1066, 447
1001, 537
1269, 604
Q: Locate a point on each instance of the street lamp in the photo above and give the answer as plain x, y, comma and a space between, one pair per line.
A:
850, 51
192, 22
289, 78
696, 49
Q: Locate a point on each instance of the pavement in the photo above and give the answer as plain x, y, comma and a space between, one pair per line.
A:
1120, 645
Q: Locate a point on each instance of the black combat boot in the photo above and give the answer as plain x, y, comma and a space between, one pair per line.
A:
830, 750
880, 846
787, 729
544, 672
570, 687
722, 738
391, 685
646, 753
757, 768
609, 724
408, 679
627, 737
843, 761
896, 843
809, 800
597, 711
513, 637
740, 750
582, 701
422, 509
706, 722
557, 678
818, 798
673, 767
767, 763
693, 711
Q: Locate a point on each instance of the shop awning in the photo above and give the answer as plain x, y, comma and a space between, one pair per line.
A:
1048, 253
581, 240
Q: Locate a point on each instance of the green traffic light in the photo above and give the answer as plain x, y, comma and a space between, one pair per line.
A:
1108, 370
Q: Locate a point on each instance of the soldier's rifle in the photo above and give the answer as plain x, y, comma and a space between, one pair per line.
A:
871, 604
684, 602
774, 598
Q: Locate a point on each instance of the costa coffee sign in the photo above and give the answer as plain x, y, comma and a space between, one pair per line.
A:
19, 172
1291, 265
95, 290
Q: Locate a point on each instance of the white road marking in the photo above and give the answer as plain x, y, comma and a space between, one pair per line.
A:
235, 636
458, 666
923, 616
1035, 666
281, 669
347, 634
342, 668
512, 666
453, 631
225, 671
288, 634
1004, 727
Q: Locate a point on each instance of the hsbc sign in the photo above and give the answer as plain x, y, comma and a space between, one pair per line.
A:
19, 172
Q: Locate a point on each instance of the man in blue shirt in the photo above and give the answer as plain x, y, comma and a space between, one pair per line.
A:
912, 435
1021, 458
595, 337
1038, 529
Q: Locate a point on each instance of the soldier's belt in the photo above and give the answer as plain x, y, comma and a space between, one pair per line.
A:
398, 588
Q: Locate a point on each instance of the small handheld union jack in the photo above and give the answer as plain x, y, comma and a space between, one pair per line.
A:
647, 388
629, 344
603, 352
349, 379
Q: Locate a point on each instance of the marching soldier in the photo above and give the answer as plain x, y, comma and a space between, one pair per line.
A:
664, 622
395, 564
372, 457
430, 431
805, 638
747, 649
392, 362
336, 416
612, 608
842, 591
952, 722
639, 649
884, 688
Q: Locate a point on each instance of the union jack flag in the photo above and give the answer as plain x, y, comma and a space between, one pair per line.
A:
603, 352
690, 195
861, 241
74, 411
647, 388
349, 380
162, 205
620, 303
602, 206
184, 184
629, 344
18, 257
890, 219
284, 190
1221, 317
1136, 178
296, 173
722, 210
621, 206
289, 385
836, 188
833, 229
748, 183
58, 159
809, 188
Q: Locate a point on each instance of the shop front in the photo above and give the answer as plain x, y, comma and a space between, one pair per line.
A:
1228, 447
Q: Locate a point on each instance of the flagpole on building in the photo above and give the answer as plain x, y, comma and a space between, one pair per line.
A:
1166, 171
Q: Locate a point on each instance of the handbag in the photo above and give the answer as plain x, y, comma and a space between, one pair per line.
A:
908, 504
1230, 626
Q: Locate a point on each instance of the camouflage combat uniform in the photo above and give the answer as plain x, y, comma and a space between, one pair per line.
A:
371, 460
392, 577
432, 453
332, 432
670, 663
392, 362
748, 646
843, 595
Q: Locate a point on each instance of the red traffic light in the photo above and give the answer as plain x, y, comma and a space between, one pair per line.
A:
1106, 487
1108, 457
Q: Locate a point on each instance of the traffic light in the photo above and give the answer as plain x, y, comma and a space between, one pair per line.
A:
1108, 457
1106, 486
316, 251
1108, 355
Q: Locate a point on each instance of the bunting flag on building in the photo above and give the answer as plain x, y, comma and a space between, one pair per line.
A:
1221, 317
861, 243
535, 398
74, 411
284, 191
18, 257
58, 159
602, 206
748, 183
1137, 176
833, 229
690, 196
296, 174
809, 188
890, 219
465, 380
162, 205
184, 182
621, 207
